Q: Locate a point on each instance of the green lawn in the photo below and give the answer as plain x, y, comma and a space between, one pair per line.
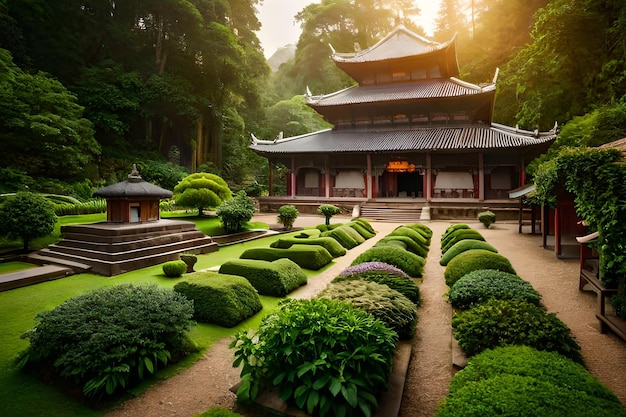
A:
24, 395
6, 267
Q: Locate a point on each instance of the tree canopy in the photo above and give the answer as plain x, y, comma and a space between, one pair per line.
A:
27, 216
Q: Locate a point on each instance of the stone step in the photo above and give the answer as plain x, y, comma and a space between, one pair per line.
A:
391, 214
32, 276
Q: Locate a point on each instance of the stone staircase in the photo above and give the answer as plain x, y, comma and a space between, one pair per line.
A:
111, 249
391, 213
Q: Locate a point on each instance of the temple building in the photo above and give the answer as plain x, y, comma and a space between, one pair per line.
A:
408, 129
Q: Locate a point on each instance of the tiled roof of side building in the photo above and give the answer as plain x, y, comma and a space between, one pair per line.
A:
418, 139
431, 88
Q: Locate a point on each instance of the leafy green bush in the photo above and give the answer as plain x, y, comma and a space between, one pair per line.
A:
236, 212
218, 412
222, 299
174, 269
384, 303
409, 262
421, 228
516, 395
619, 305
526, 361
201, 190
328, 211
360, 229
459, 235
452, 228
110, 338
392, 242
331, 245
324, 356
400, 283
345, 236
277, 278
487, 218
287, 215
483, 284
462, 246
27, 216
409, 244
366, 224
413, 234
511, 322
306, 256
474, 259
97, 205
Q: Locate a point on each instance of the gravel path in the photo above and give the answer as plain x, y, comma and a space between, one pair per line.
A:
207, 382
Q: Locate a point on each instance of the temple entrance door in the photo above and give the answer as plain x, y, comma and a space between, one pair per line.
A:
410, 184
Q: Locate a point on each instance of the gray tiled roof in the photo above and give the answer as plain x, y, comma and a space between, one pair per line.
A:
431, 88
400, 43
418, 139
132, 188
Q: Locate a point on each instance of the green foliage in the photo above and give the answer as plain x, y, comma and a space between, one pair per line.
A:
474, 259
222, 299
277, 278
287, 215
174, 269
526, 361
452, 228
236, 212
511, 322
332, 246
96, 205
484, 284
110, 338
422, 228
382, 302
487, 218
328, 211
618, 302
408, 262
201, 190
462, 246
516, 395
408, 243
402, 284
306, 256
366, 224
412, 233
457, 236
324, 356
345, 235
27, 216
218, 412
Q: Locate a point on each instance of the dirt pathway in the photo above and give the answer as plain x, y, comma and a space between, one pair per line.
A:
207, 383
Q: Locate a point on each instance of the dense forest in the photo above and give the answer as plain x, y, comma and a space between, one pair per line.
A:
89, 87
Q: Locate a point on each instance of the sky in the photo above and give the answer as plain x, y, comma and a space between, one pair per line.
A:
279, 28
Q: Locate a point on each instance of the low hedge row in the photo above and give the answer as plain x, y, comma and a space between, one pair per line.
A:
277, 278
222, 299
398, 282
475, 259
330, 244
462, 246
459, 235
306, 256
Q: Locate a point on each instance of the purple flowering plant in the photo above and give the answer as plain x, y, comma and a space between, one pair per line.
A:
373, 266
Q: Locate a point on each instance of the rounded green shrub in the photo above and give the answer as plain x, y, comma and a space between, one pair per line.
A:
545, 366
366, 224
459, 235
401, 283
276, 279
487, 218
462, 246
314, 350
306, 256
409, 244
361, 230
516, 395
174, 269
287, 215
331, 245
413, 234
345, 236
110, 338
225, 300
474, 259
392, 242
235, 212
484, 284
384, 303
426, 231
510, 322
409, 262
452, 228
328, 211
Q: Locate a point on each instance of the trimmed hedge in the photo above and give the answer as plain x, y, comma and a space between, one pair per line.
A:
344, 236
331, 245
277, 278
225, 300
361, 229
308, 233
413, 234
410, 244
515, 395
459, 235
526, 361
462, 246
174, 269
474, 259
306, 256
409, 262
382, 302
395, 281
365, 223
452, 228
426, 231
484, 284
510, 322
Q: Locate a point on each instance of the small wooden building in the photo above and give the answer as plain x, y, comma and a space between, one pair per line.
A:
133, 200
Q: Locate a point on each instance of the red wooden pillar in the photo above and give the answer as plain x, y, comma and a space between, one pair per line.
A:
293, 176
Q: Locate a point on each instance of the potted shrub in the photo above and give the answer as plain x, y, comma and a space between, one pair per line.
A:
328, 211
190, 260
487, 218
287, 215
